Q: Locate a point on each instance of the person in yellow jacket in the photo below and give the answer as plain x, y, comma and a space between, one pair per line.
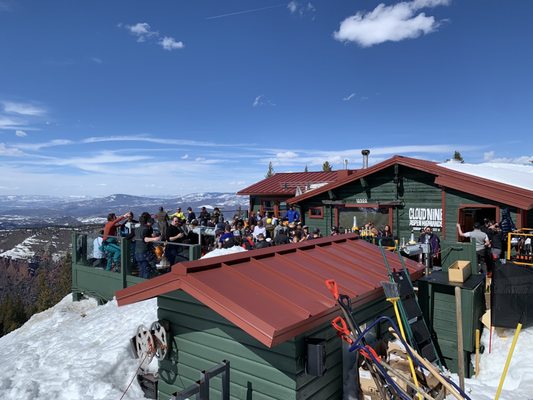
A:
179, 214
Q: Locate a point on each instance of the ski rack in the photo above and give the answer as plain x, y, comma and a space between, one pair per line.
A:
418, 334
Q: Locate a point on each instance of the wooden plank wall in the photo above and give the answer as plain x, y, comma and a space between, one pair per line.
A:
202, 339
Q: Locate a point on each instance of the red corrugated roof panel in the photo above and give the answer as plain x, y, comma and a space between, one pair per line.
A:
277, 293
286, 183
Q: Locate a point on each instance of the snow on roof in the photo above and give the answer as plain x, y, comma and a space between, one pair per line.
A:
223, 252
518, 175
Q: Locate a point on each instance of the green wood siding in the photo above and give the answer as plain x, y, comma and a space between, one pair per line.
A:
437, 302
529, 219
452, 251
416, 189
201, 339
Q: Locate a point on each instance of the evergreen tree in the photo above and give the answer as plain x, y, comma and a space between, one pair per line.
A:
44, 296
326, 167
64, 284
270, 171
12, 314
458, 157
306, 170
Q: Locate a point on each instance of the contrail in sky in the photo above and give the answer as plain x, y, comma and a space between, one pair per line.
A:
245, 11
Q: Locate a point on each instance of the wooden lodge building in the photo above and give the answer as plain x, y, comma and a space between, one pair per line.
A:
405, 193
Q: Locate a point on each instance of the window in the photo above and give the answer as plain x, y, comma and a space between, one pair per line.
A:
316, 212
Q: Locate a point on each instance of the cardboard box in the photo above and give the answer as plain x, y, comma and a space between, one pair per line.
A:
459, 271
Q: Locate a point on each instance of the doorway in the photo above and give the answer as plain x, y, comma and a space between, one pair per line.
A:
472, 213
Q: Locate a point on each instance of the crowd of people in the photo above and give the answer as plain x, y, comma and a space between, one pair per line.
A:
158, 239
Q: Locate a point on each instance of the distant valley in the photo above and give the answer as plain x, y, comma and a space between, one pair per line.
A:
45, 211
36, 237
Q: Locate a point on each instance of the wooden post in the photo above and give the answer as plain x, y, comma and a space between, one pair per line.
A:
460, 351
477, 351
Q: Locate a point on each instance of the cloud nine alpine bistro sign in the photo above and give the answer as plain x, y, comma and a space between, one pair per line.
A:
422, 217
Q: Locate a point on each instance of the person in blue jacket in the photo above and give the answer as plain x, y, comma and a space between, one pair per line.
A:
292, 215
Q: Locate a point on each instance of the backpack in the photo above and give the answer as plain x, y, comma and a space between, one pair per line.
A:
248, 244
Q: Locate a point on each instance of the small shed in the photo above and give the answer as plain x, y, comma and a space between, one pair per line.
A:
257, 308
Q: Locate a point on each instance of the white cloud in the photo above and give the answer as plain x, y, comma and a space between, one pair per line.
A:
490, 156
292, 6
261, 100
142, 30
39, 146
97, 60
10, 123
287, 154
169, 43
23, 109
9, 151
20, 133
389, 23
301, 9
349, 97
185, 156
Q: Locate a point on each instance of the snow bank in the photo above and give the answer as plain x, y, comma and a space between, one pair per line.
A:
75, 350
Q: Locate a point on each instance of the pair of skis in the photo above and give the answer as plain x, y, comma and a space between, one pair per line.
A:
348, 330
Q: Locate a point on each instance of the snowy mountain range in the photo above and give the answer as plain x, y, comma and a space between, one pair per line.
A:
39, 211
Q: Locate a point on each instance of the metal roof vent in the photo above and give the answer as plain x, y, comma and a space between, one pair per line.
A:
365, 154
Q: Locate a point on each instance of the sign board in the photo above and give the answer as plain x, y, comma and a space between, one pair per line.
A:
422, 217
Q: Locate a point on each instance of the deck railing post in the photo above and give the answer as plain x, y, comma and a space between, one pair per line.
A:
124, 260
201, 387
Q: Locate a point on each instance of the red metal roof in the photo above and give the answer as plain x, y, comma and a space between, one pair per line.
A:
496, 191
277, 293
285, 183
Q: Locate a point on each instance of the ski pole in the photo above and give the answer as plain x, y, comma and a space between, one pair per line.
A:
344, 303
433, 371
508, 362
392, 295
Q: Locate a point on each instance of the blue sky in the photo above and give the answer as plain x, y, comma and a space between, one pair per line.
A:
174, 97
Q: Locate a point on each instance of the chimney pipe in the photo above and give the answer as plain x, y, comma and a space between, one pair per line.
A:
365, 154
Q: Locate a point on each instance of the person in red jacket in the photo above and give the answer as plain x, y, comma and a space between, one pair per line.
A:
110, 228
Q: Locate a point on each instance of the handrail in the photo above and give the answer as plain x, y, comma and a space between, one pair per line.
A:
201, 386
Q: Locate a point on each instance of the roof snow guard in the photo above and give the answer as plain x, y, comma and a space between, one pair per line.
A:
277, 293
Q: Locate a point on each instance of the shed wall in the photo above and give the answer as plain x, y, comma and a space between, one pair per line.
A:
202, 339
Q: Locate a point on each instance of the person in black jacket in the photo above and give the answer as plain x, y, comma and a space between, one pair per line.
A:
496, 240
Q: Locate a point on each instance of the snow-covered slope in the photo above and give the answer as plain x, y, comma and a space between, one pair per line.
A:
78, 350
74, 350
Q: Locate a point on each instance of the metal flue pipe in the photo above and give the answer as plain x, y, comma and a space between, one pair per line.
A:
365, 154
